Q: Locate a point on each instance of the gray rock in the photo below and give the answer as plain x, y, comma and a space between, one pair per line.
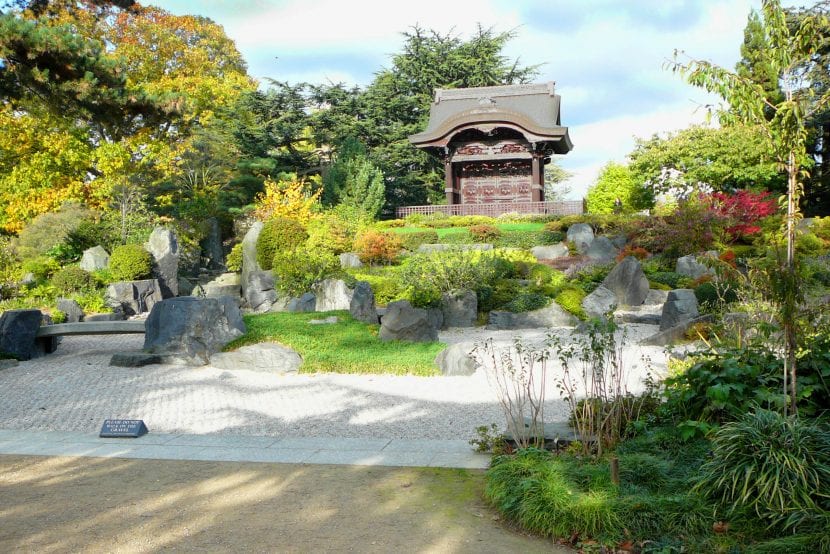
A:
226, 284
656, 297
582, 235
619, 241
549, 316
680, 306
406, 323
602, 250
459, 308
691, 267
350, 260
164, 247
669, 336
133, 297
332, 294
455, 360
18, 330
186, 287
71, 308
259, 290
550, 252
649, 315
192, 329
211, 245
28, 279
362, 305
303, 304
114, 316
628, 282
430, 248
135, 359
267, 356
599, 302
249, 263
435, 317
94, 258
330, 320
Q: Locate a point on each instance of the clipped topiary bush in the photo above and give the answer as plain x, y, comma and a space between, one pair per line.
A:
376, 247
72, 279
130, 262
279, 234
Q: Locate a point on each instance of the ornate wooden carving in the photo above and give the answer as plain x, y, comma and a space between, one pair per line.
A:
497, 181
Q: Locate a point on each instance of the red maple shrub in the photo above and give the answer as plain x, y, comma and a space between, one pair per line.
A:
744, 209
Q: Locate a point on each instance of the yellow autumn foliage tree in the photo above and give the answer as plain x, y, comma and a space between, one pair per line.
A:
290, 197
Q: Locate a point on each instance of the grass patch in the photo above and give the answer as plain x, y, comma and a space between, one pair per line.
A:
348, 346
444, 231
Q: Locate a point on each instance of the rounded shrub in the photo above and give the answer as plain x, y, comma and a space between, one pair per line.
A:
279, 234
73, 279
485, 233
571, 301
233, 261
129, 262
527, 302
298, 269
375, 247
41, 267
411, 241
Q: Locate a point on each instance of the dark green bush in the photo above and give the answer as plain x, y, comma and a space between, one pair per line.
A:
73, 279
670, 278
527, 302
411, 241
774, 467
712, 296
129, 262
279, 234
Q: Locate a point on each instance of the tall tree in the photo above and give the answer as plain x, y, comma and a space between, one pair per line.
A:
789, 50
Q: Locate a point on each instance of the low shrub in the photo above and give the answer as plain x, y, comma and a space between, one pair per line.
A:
570, 299
72, 279
129, 262
279, 234
390, 224
41, 267
630, 250
376, 247
233, 261
670, 278
808, 244
411, 241
774, 467
711, 295
298, 269
527, 302
386, 287
528, 239
484, 233
331, 233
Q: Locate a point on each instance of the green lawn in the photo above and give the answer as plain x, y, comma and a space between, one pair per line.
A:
444, 231
348, 346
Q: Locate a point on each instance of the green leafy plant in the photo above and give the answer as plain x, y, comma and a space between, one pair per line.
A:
411, 241
129, 262
774, 466
489, 439
233, 261
41, 267
298, 269
73, 279
570, 298
279, 234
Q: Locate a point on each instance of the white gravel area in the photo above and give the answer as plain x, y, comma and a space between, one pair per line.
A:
75, 389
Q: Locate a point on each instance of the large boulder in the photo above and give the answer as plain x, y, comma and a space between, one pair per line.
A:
582, 235
303, 304
455, 360
260, 291
628, 282
350, 260
460, 308
691, 265
602, 250
192, 329
133, 297
226, 284
164, 248
680, 307
599, 302
671, 335
332, 294
550, 316
73, 311
550, 252
94, 258
404, 322
18, 335
249, 263
362, 306
267, 356
211, 245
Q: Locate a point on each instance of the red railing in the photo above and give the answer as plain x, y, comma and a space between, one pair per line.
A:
564, 207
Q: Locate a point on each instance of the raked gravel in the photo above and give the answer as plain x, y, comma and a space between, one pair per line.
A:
75, 389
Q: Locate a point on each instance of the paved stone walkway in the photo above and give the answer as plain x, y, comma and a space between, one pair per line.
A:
236, 448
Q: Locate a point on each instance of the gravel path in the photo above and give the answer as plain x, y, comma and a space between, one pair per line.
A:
75, 390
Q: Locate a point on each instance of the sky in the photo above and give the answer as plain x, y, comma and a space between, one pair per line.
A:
607, 57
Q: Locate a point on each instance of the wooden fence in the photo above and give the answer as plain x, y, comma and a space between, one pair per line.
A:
564, 207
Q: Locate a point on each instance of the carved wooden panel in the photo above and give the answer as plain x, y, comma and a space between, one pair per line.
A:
489, 182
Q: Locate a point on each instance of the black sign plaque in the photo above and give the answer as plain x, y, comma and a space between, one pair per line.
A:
123, 428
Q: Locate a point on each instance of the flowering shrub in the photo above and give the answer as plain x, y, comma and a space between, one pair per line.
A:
744, 210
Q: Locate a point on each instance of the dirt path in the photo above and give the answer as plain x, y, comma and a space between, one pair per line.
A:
60, 504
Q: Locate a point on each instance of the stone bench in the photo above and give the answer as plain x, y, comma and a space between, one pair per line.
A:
91, 328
